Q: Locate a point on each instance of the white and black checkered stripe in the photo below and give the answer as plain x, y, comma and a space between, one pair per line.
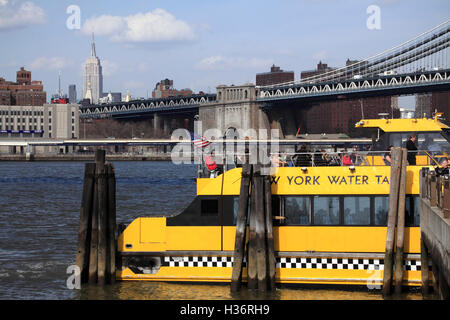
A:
330, 263
290, 263
414, 265
194, 261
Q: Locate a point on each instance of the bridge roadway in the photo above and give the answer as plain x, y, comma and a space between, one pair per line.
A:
272, 96
389, 85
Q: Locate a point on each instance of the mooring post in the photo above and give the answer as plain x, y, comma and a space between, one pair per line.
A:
93, 254
433, 190
102, 190
260, 229
269, 229
393, 204
111, 223
84, 229
241, 227
252, 282
400, 225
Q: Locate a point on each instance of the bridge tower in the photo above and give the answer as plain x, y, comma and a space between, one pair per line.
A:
235, 107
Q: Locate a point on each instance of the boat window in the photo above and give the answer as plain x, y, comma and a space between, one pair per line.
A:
412, 211
276, 209
297, 210
210, 207
435, 142
356, 210
326, 210
381, 210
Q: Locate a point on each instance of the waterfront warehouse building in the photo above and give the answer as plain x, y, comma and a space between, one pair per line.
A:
47, 122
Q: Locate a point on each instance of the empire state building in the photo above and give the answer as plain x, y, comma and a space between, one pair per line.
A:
93, 77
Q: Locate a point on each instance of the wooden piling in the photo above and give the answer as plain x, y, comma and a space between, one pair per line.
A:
260, 230
393, 204
111, 223
433, 190
269, 233
241, 227
400, 225
103, 252
84, 229
93, 254
252, 273
96, 251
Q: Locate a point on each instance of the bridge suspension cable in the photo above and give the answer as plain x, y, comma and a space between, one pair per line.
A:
427, 51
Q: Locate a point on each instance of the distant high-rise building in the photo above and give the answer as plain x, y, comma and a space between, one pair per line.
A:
93, 75
72, 93
275, 76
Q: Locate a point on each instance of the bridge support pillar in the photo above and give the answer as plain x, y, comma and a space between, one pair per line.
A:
156, 124
166, 125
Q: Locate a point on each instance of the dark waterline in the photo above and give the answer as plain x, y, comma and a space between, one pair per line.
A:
39, 215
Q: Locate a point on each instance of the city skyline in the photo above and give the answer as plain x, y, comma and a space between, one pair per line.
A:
201, 44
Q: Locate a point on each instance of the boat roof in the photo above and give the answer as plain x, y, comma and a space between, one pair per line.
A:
403, 125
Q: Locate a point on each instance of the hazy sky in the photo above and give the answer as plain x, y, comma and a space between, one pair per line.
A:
199, 43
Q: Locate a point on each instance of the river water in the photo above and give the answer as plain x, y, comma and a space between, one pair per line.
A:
39, 215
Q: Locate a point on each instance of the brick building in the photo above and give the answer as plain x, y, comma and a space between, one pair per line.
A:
23, 92
321, 68
164, 89
275, 76
340, 116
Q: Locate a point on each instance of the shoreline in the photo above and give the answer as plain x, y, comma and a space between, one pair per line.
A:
79, 157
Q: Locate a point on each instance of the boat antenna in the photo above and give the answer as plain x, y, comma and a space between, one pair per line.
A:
362, 108
59, 83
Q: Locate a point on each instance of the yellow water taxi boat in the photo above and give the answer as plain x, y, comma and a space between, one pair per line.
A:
332, 230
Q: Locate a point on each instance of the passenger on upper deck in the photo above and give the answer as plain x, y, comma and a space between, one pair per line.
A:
212, 166
346, 160
443, 170
387, 156
303, 159
412, 149
284, 160
275, 159
322, 159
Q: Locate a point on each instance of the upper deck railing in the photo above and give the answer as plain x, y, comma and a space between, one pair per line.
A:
317, 159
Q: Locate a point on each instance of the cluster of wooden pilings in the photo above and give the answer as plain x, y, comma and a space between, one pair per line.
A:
435, 232
396, 216
96, 251
254, 243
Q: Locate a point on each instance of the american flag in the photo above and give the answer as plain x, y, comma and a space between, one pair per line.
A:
199, 141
